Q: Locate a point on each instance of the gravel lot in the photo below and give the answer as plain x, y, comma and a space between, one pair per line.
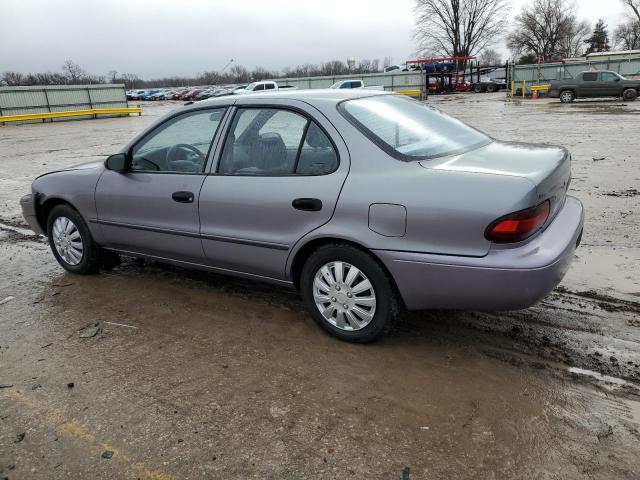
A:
196, 375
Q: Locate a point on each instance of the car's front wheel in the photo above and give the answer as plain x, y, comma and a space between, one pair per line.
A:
630, 94
71, 241
567, 96
348, 293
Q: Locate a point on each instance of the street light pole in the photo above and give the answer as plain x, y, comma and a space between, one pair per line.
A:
225, 67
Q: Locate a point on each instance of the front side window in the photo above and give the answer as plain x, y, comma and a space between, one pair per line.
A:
179, 145
410, 130
275, 142
610, 77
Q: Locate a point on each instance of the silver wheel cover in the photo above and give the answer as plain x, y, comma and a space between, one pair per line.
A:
68, 241
344, 296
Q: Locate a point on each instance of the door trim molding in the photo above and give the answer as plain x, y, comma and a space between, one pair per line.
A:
202, 266
217, 238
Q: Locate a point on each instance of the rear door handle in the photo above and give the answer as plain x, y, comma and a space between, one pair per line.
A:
307, 204
183, 197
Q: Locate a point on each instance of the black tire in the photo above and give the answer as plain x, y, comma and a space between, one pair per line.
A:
477, 89
90, 259
386, 308
567, 96
492, 88
630, 94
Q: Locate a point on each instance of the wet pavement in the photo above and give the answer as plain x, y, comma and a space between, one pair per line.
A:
151, 371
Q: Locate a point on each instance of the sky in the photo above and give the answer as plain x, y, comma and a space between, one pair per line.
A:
156, 38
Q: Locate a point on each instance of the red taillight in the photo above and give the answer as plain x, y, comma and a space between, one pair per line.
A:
518, 226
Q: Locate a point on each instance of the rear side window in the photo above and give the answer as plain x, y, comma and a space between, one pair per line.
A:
410, 130
590, 76
317, 155
269, 86
275, 142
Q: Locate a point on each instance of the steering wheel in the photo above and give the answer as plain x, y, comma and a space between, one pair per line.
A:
171, 153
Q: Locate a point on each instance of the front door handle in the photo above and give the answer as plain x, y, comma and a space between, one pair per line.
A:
183, 197
307, 204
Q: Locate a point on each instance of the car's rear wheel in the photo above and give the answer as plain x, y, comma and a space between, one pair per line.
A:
71, 241
630, 94
567, 96
348, 293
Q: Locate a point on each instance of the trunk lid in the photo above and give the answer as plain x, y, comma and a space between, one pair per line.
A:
545, 166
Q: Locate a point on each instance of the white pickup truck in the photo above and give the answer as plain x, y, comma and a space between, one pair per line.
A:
264, 86
355, 84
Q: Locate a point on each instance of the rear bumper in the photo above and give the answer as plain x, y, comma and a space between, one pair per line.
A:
29, 213
505, 279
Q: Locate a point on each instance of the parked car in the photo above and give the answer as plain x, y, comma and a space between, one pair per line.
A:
593, 85
258, 87
229, 90
355, 84
206, 93
191, 94
135, 94
367, 201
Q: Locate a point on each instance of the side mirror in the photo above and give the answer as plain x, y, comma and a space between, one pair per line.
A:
118, 162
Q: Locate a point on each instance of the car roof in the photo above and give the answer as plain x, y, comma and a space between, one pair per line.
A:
312, 96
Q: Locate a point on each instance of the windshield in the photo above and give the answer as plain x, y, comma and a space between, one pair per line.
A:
410, 130
336, 85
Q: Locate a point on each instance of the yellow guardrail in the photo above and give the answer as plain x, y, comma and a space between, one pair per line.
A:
70, 113
411, 93
540, 88
533, 88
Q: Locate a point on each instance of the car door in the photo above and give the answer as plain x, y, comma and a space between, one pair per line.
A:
278, 177
153, 207
610, 84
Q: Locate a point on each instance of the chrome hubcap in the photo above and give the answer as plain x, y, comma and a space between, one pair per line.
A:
344, 296
67, 240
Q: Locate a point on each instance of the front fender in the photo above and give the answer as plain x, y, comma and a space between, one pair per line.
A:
75, 187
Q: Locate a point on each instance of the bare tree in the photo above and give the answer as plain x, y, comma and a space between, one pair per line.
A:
239, 74
627, 35
73, 72
548, 29
489, 58
572, 44
13, 79
334, 67
634, 5
459, 27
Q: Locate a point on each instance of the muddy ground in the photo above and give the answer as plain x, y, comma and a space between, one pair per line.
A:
195, 375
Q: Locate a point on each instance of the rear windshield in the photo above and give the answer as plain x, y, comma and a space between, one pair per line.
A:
410, 130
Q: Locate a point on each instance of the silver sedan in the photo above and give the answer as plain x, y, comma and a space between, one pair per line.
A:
365, 201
